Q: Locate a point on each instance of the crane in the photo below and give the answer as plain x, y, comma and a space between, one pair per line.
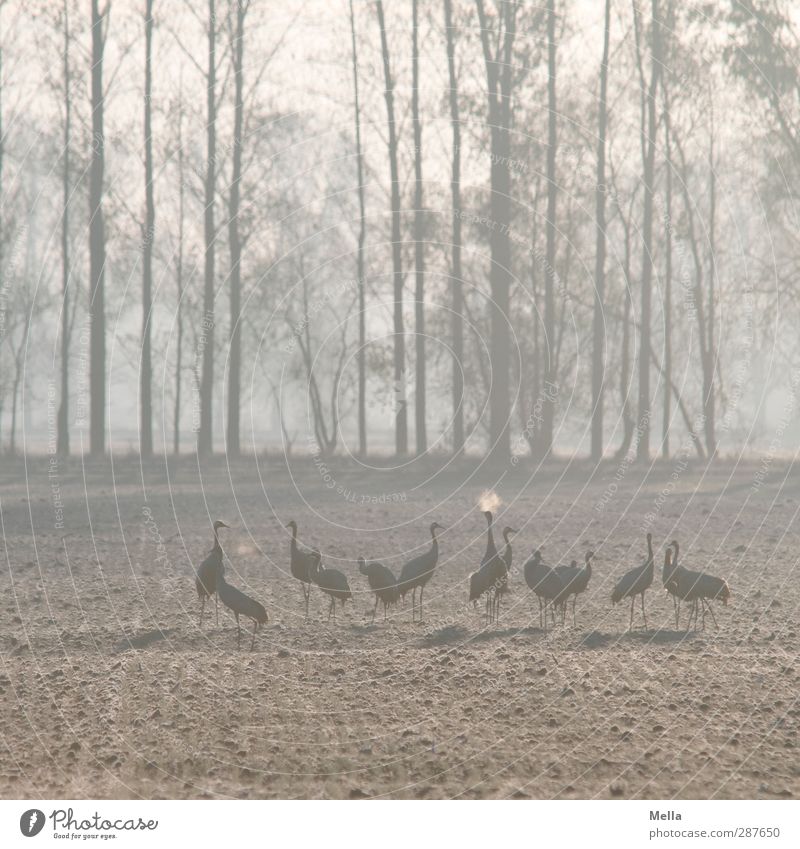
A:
636, 582
544, 582
206, 578
241, 605
332, 582
576, 580
418, 571
300, 564
382, 582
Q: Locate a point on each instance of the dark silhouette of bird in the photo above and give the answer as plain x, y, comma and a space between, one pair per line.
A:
300, 564
382, 582
483, 581
636, 582
417, 572
241, 605
501, 580
332, 582
668, 579
576, 580
206, 578
544, 582
700, 589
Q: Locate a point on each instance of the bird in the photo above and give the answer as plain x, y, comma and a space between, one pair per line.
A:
382, 582
697, 587
668, 578
332, 582
484, 580
206, 578
501, 580
418, 571
636, 582
575, 580
544, 582
241, 605
300, 563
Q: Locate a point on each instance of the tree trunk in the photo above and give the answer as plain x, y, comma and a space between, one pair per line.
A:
97, 244
401, 401
62, 418
235, 368
499, 84
598, 328
456, 284
710, 363
550, 393
362, 234
419, 244
649, 146
146, 404
667, 286
176, 415
205, 441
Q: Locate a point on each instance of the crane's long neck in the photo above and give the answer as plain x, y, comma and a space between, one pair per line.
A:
293, 544
490, 546
217, 547
588, 568
434, 543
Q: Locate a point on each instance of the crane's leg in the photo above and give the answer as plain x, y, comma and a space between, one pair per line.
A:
253, 641
238, 633
216, 608
643, 613
306, 596
375, 609
574, 620
703, 603
202, 608
421, 590
414, 604
711, 611
630, 624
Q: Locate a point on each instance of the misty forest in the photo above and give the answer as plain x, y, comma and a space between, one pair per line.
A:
501, 228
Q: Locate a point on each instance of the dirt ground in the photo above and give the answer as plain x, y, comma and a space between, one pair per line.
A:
108, 688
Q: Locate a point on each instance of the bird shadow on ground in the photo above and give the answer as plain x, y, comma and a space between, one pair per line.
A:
506, 634
143, 640
660, 637
445, 636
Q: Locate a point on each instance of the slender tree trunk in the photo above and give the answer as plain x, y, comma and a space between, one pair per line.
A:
499, 79
649, 143
667, 285
97, 243
145, 402
401, 401
550, 393
419, 244
205, 441
62, 418
362, 235
456, 284
598, 324
709, 405
176, 418
234, 371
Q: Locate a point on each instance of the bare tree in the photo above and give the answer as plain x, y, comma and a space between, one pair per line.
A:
362, 234
497, 42
62, 418
550, 361
648, 141
400, 395
235, 368
97, 239
598, 325
179, 282
146, 382
205, 439
419, 244
456, 283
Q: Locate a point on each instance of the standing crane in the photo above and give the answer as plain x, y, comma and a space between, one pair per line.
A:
382, 582
483, 581
418, 571
700, 589
332, 582
544, 582
669, 575
501, 579
636, 582
300, 564
576, 580
206, 578
241, 605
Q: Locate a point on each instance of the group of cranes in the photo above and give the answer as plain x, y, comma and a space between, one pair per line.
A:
553, 587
